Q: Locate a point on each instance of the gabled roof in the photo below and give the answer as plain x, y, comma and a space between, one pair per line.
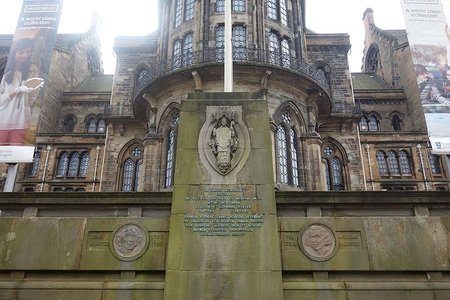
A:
98, 84
369, 81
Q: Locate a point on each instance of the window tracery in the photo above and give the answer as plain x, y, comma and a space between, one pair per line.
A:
333, 167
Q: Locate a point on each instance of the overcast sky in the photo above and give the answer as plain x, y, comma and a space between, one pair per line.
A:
139, 17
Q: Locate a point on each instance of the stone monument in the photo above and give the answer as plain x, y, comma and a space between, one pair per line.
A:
223, 241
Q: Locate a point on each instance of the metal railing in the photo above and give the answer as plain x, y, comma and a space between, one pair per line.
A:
240, 56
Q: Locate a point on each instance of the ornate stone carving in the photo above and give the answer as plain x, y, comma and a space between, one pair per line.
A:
129, 242
318, 242
224, 141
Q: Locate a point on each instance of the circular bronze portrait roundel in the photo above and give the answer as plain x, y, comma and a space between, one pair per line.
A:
318, 242
129, 242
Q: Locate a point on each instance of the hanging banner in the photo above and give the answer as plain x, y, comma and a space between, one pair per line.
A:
429, 41
22, 84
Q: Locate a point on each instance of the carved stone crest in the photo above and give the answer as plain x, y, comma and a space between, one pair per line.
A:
129, 242
318, 242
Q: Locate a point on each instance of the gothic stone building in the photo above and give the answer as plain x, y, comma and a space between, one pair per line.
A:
331, 131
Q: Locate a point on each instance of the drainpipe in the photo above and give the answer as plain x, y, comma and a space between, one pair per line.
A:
362, 159
95, 167
370, 166
103, 159
419, 149
48, 148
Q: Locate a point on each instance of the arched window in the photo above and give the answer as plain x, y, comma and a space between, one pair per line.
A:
373, 123
91, 125
74, 164
33, 171
282, 154
287, 151
170, 158
141, 77
333, 168
93, 62
101, 127
396, 123
170, 121
178, 12
279, 50
405, 164
84, 164
189, 6
435, 163
363, 124
130, 169
239, 42
68, 124
382, 165
393, 163
372, 59
187, 49
63, 164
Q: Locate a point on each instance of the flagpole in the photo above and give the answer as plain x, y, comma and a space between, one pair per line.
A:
228, 58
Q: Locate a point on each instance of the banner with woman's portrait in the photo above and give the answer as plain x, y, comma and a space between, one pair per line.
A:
23, 81
429, 40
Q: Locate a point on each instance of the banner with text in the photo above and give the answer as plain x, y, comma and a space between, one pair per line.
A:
429, 40
22, 84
